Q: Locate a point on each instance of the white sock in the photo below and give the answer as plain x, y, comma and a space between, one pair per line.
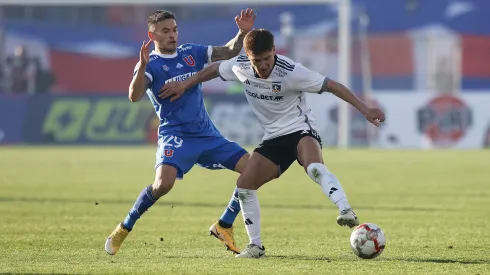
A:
329, 183
249, 203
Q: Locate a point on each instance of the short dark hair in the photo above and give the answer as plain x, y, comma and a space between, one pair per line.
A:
259, 41
159, 15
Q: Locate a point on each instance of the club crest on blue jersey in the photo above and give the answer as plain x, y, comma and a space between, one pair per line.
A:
276, 87
189, 60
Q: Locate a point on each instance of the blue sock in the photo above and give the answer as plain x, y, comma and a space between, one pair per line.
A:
231, 211
143, 202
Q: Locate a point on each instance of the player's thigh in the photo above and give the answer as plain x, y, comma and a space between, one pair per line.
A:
220, 153
259, 170
179, 153
309, 150
240, 166
281, 151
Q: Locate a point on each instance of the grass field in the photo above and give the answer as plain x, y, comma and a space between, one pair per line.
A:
58, 204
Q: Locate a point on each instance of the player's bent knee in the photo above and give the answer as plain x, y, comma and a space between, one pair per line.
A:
164, 180
246, 182
309, 151
161, 187
309, 161
240, 166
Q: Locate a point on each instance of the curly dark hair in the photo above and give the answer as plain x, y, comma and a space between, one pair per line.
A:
259, 41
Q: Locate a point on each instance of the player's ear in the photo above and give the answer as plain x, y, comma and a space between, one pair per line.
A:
274, 50
151, 36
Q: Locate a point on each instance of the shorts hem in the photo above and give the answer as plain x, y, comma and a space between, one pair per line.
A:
179, 170
233, 160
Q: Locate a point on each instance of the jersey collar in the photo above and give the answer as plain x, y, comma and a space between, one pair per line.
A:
164, 55
273, 67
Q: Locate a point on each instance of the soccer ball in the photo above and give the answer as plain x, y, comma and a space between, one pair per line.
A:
367, 241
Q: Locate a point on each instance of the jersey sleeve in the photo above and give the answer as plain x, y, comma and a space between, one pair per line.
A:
226, 70
302, 79
148, 73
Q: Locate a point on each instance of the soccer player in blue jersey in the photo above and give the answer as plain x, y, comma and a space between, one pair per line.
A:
186, 135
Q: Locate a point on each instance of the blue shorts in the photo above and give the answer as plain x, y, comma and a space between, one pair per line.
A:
215, 152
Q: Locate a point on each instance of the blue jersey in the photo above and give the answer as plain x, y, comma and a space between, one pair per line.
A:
186, 116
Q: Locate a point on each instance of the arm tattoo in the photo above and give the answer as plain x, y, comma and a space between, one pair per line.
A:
231, 49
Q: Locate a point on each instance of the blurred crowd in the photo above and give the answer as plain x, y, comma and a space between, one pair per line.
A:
110, 15
22, 73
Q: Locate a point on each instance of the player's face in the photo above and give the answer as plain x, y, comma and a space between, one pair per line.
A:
263, 62
165, 36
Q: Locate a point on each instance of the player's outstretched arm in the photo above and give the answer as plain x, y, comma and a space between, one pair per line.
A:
140, 82
176, 89
373, 115
245, 22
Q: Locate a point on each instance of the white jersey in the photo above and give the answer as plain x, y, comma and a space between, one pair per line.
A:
279, 101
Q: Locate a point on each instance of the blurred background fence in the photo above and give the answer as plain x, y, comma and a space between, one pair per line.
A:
65, 70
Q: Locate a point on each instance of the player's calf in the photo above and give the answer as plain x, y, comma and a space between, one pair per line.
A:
332, 188
161, 187
164, 182
330, 185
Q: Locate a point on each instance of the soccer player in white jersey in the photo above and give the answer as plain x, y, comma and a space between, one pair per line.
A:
275, 87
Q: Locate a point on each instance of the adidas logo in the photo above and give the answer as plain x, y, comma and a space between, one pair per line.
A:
179, 66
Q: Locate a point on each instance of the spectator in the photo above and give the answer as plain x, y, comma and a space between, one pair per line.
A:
20, 72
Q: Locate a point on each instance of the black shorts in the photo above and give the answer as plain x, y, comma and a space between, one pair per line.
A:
283, 150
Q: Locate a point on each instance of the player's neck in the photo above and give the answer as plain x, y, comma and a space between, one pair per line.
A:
263, 76
163, 52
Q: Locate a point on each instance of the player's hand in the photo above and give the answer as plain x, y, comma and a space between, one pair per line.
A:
375, 116
173, 89
145, 53
245, 21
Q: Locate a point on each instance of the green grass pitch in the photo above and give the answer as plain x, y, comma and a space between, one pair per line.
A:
58, 204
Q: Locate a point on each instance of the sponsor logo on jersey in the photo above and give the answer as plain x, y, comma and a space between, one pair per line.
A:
181, 77
280, 72
256, 85
264, 97
179, 66
185, 48
165, 68
244, 66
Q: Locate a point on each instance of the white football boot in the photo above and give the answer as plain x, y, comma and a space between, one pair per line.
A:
252, 251
347, 217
